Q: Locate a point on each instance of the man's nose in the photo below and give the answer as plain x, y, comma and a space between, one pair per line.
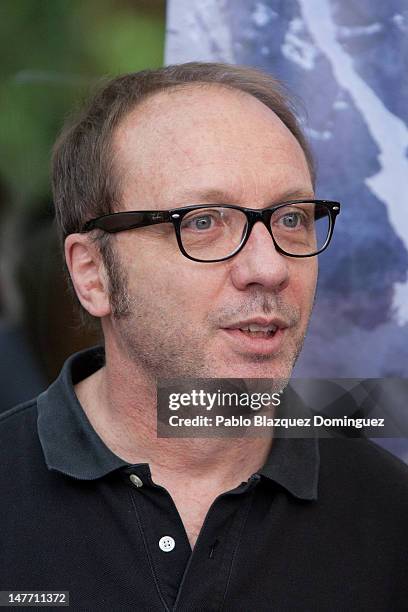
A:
259, 263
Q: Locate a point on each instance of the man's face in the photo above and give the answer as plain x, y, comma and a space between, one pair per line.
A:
209, 145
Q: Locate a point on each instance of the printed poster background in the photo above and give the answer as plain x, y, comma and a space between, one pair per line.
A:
348, 62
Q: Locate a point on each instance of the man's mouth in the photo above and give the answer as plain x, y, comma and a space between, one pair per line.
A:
259, 335
259, 331
259, 326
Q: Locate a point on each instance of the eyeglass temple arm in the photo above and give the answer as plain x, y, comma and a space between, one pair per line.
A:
117, 222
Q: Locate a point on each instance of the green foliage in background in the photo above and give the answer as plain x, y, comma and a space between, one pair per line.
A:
52, 52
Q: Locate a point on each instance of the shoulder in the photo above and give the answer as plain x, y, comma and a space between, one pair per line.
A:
20, 411
362, 473
363, 457
13, 415
18, 426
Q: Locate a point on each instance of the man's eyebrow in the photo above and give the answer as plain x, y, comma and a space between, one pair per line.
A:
215, 196
297, 194
210, 196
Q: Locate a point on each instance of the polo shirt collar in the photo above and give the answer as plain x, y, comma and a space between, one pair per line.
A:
69, 442
71, 445
294, 464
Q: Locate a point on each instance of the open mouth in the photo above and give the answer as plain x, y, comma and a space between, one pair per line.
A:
257, 337
259, 331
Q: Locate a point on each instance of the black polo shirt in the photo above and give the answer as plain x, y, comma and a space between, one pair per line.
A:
322, 526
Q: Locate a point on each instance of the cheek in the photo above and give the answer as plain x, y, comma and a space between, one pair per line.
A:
174, 285
196, 288
304, 279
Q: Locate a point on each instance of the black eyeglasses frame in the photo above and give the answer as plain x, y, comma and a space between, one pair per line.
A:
126, 220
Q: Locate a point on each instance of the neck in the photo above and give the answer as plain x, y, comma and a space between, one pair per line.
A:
120, 402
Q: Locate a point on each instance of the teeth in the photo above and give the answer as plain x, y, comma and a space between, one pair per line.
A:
259, 328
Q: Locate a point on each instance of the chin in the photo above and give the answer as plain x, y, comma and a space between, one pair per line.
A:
260, 367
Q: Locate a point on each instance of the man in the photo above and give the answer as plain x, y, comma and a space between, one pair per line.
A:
168, 192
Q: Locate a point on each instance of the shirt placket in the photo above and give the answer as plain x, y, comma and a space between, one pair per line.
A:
207, 575
161, 530
188, 580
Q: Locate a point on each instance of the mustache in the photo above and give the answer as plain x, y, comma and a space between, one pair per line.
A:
251, 306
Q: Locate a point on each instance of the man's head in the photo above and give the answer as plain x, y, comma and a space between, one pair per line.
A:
195, 134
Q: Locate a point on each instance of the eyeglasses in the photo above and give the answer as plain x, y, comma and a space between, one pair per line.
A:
215, 232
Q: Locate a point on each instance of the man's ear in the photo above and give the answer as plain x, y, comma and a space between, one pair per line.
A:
88, 274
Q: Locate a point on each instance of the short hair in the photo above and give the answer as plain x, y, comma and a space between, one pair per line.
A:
85, 184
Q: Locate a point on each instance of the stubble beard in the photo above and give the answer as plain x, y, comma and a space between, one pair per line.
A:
162, 348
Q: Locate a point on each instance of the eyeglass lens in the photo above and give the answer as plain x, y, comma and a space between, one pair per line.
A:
214, 233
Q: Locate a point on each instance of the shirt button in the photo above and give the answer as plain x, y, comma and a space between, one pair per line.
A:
136, 480
166, 543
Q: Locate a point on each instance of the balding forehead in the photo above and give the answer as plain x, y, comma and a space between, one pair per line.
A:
181, 112
197, 129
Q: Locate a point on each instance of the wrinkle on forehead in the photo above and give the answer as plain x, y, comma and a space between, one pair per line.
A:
205, 137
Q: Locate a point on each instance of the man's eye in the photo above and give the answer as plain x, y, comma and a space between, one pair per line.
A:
291, 220
201, 222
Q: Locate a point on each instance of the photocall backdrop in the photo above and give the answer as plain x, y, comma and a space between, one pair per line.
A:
348, 62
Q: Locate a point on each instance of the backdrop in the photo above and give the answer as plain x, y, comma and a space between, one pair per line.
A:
347, 61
